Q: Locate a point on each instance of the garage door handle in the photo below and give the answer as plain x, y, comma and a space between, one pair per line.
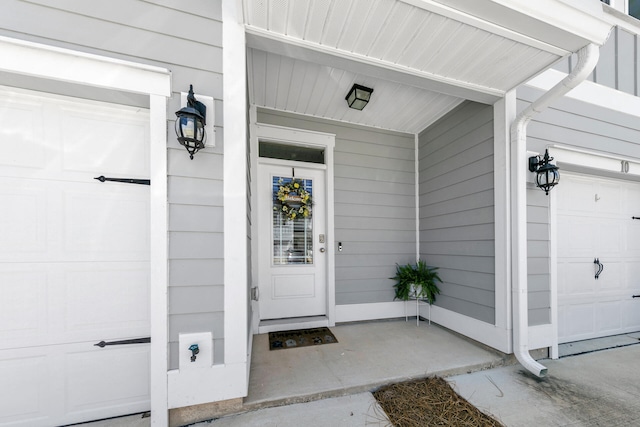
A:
103, 344
102, 178
635, 296
635, 217
600, 267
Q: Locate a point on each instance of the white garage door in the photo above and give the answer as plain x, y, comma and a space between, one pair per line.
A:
595, 221
74, 259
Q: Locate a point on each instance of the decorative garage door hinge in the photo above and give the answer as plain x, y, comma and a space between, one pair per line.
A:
635, 217
103, 344
125, 180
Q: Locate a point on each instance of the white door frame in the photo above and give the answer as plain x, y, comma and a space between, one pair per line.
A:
292, 136
82, 69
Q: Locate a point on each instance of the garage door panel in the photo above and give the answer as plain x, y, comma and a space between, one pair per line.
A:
612, 278
110, 222
23, 305
580, 311
632, 238
579, 199
631, 313
110, 300
107, 131
23, 146
611, 238
24, 394
22, 219
608, 317
112, 377
575, 278
578, 237
609, 197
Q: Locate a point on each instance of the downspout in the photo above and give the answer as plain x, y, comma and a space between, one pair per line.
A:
587, 60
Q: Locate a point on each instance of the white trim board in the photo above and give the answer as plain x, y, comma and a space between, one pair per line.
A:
52, 63
590, 92
371, 311
486, 333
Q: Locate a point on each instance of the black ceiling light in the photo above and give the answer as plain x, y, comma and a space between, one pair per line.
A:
358, 96
547, 174
190, 124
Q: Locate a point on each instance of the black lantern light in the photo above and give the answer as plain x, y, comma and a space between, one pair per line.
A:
547, 174
358, 96
190, 122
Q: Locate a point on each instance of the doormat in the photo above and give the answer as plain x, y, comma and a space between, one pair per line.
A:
300, 338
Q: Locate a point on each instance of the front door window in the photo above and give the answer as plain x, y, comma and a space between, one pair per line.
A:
292, 221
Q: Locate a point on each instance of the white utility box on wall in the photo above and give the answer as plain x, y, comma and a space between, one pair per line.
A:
204, 356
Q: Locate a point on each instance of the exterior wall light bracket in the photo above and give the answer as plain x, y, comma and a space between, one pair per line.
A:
547, 174
190, 124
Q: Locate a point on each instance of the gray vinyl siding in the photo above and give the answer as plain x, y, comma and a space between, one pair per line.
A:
165, 33
457, 209
619, 63
375, 212
569, 123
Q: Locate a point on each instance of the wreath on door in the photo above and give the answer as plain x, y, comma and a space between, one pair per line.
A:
292, 200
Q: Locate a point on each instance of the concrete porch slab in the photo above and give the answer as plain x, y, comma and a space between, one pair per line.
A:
367, 356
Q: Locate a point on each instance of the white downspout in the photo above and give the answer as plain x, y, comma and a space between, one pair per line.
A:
587, 60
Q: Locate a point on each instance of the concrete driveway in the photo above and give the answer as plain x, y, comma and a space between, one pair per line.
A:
595, 389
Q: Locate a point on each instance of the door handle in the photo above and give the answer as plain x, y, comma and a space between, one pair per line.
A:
600, 267
322, 250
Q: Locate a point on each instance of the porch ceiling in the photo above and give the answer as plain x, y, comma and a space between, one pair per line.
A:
421, 57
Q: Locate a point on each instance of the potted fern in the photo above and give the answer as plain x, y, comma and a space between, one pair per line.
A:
416, 281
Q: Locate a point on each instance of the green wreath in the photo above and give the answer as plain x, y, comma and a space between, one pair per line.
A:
292, 200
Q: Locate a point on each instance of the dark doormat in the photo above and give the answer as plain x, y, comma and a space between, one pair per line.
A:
300, 338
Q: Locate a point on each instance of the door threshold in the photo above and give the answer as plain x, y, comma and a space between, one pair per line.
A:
292, 324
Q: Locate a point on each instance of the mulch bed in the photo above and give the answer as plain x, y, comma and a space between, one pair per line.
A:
429, 402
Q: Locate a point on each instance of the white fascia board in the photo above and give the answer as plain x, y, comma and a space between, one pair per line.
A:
589, 92
43, 61
583, 18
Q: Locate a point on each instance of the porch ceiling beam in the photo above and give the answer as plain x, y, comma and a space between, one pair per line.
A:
484, 24
312, 52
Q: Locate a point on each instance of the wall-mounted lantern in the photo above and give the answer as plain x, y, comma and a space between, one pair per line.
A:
547, 174
190, 123
358, 96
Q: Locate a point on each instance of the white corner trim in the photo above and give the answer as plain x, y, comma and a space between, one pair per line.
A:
236, 298
504, 113
39, 60
541, 336
486, 333
590, 92
159, 264
198, 386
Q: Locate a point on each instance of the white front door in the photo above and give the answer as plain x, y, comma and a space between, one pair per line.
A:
595, 221
74, 259
292, 252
